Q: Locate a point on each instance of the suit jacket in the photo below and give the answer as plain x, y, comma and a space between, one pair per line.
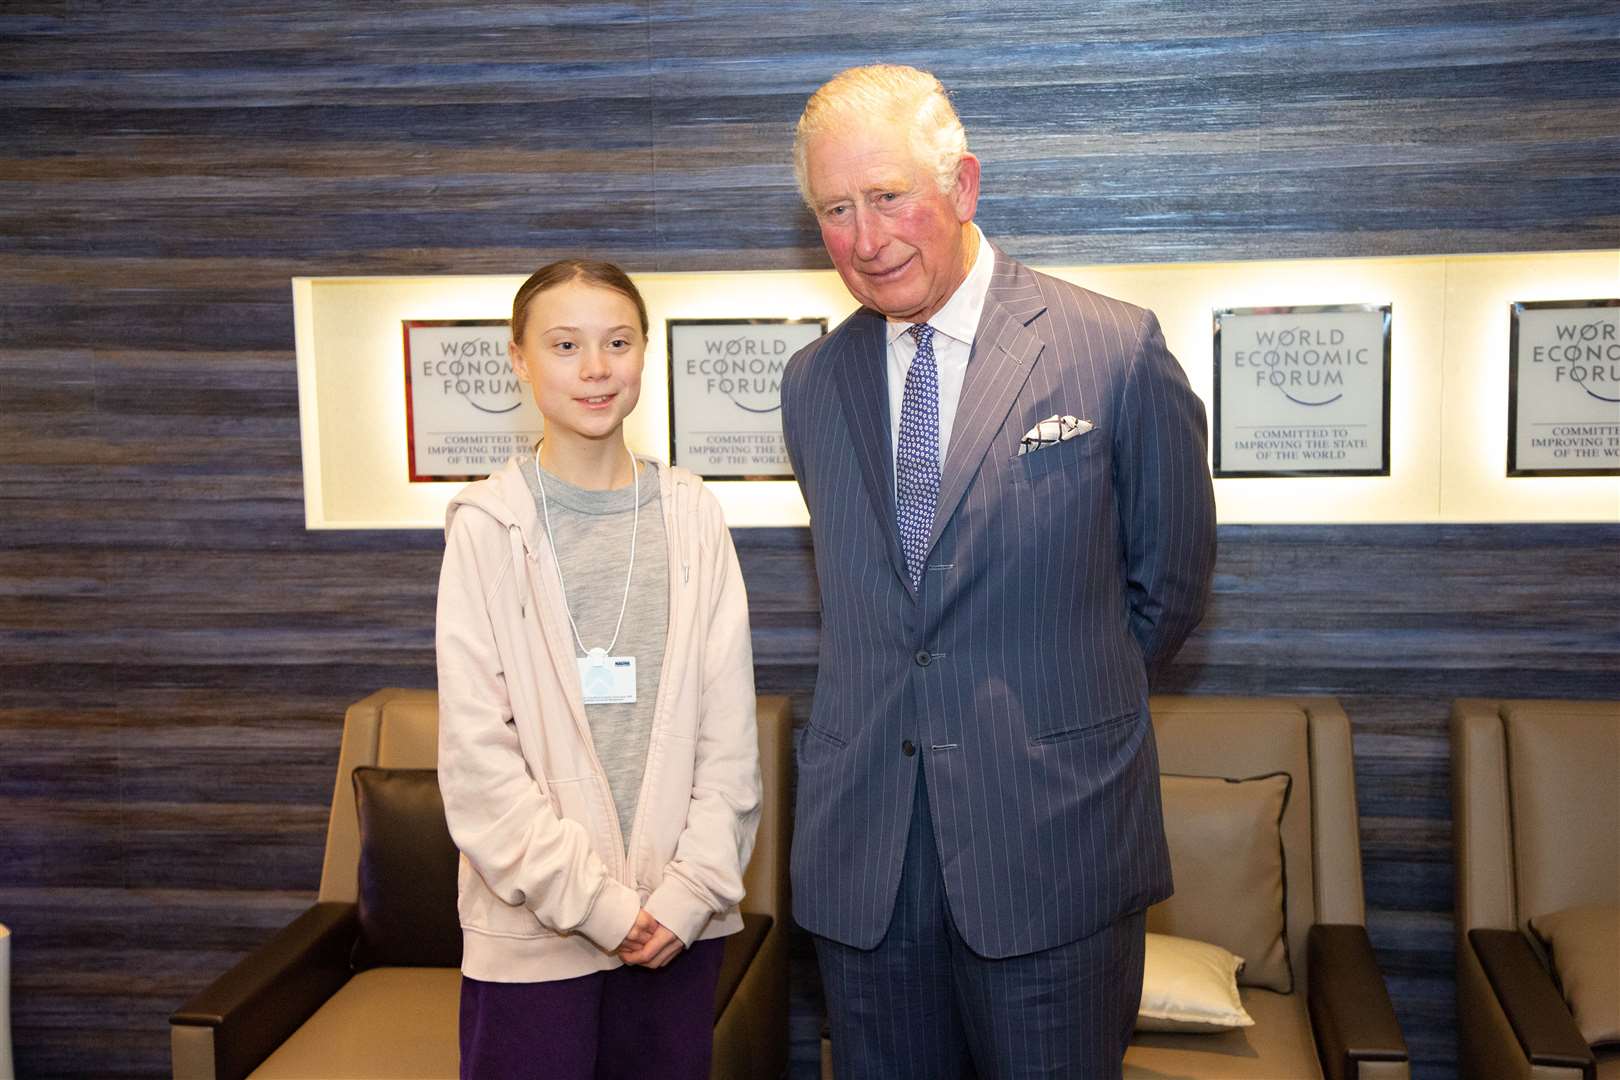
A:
1017, 674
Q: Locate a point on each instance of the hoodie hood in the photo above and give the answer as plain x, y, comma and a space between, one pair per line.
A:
503, 495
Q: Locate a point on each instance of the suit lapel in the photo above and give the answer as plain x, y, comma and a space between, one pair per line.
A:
1005, 351
863, 386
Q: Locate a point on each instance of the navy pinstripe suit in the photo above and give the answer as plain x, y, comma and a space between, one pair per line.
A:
1017, 673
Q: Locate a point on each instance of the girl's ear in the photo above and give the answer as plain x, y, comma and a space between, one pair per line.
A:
520, 364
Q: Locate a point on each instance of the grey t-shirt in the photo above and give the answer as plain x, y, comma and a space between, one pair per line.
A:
590, 532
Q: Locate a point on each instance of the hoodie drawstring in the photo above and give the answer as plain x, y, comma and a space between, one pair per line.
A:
680, 545
520, 557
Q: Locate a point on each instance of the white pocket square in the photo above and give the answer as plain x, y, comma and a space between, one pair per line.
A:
1050, 432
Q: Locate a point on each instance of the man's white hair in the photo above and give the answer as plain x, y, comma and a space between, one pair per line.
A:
909, 99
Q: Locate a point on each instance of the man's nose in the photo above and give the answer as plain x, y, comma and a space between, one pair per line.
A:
869, 237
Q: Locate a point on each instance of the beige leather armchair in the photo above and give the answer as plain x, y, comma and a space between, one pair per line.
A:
302, 1006
1536, 816
1335, 1019
7, 1066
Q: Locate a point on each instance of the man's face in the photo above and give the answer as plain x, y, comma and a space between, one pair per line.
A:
899, 243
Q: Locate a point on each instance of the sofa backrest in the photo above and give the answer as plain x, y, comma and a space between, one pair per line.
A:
399, 729
1306, 738
1537, 808
393, 729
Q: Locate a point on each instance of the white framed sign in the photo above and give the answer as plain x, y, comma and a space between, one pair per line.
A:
1564, 388
1302, 391
725, 400
466, 411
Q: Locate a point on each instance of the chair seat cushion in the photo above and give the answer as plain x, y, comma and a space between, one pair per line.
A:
390, 1023
1278, 1047
400, 1023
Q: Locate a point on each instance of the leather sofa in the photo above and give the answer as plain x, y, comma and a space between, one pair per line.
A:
1335, 1019
318, 1000
1536, 816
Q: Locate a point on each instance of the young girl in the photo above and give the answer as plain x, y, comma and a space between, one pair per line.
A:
597, 749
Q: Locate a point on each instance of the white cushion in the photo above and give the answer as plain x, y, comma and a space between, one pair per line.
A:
1190, 986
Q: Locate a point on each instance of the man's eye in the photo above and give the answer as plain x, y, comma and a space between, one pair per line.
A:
888, 196
835, 211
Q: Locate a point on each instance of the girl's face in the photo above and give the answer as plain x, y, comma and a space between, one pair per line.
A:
582, 353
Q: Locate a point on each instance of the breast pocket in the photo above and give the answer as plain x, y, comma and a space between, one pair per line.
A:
1077, 456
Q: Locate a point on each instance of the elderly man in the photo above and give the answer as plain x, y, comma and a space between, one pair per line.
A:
1013, 523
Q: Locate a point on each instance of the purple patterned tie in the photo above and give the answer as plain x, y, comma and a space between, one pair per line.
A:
916, 464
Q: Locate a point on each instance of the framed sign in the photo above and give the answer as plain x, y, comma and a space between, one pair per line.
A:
1302, 391
725, 394
1564, 388
466, 412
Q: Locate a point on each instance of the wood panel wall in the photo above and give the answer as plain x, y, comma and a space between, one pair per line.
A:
175, 648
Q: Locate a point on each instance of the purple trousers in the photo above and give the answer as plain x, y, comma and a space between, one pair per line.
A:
623, 1024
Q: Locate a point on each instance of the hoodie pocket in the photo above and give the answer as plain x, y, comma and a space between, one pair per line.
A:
480, 909
586, 800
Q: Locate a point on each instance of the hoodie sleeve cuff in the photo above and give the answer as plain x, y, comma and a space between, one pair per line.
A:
612, 916
678, 910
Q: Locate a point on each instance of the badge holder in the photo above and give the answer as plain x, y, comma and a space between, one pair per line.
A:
607, 680
604, 679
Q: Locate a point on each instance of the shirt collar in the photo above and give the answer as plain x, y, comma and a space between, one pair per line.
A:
959, 318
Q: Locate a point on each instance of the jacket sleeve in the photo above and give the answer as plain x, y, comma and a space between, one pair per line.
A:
498, 815
705, 876
1166, 500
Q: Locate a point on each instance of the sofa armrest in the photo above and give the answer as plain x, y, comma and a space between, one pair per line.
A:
1350, 1009
1541, 1021
229, 1028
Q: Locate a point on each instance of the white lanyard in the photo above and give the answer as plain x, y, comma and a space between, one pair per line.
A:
598, 655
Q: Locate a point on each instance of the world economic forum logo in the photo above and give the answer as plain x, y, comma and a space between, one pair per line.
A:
1584, 356
747, 371
1306, 365
479, 371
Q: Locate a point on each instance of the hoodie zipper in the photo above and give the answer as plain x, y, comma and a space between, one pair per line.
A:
673, 515
529, 559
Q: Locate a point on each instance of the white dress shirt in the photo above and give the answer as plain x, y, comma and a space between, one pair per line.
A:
954, 326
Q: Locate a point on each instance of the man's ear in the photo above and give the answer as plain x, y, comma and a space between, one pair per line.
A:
965, 192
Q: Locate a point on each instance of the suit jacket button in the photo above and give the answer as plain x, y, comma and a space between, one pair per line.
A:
908, 748
923, 658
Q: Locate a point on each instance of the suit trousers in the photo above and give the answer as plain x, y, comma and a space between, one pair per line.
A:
922, 1004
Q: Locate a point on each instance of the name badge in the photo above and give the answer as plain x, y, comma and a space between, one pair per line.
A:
607, 680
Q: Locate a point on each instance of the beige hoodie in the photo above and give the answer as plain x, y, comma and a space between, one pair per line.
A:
546, 887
